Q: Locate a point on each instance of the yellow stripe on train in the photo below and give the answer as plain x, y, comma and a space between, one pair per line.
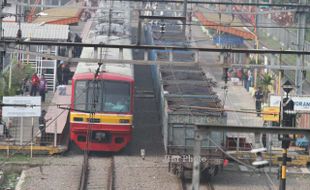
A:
101, 118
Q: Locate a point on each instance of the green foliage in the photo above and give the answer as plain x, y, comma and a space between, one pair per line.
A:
19, 72
253, 61
308, 34
264, 81
2, 85
10, 181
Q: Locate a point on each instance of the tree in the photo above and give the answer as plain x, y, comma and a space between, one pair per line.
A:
19, 72
265, 80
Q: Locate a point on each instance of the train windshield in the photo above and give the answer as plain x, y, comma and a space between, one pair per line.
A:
102, 96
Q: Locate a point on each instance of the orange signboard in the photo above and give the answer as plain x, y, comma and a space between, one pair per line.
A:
271, 114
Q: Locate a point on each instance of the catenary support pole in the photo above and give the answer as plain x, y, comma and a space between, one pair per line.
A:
21, 136
196, 162
300, 45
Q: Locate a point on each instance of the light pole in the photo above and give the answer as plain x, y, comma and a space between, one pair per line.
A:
287, 120
256, 44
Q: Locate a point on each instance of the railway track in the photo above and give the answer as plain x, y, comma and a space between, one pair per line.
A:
97, 173
204, 185
210, 186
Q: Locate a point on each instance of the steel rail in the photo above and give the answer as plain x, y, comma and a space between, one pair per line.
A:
85, 172
111, 184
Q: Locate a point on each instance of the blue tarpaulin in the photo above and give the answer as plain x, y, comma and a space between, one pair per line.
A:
302, 142
226, 39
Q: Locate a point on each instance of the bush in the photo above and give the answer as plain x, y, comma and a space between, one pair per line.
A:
19, 72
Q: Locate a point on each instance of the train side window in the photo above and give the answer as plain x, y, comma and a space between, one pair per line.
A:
80, 95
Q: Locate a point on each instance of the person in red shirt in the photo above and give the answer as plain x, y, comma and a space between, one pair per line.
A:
34, 84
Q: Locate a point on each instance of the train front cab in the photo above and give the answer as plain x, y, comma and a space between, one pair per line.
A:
111, 125
103, 137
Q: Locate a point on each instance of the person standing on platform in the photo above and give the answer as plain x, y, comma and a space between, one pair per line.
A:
63, 72
66, 73
259, 98
249, 80
34, 84
42, 127
42, 87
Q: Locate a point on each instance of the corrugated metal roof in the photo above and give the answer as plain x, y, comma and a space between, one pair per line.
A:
211, 22
9, 10
36, 31
225, 19
56, 14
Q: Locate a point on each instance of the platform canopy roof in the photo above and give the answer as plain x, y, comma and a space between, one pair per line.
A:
61, 15
224, 23
36, 31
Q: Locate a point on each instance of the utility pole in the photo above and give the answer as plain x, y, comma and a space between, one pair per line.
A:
3, 4
185, 15
300, 45
139, 29
287, 120
110, 21
256, 40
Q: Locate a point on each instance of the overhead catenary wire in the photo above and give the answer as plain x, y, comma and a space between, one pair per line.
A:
235, 25
157, 47
291, 5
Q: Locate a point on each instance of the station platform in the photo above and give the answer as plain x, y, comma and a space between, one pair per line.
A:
236, 97
57, 116
299, 157
50, 150
55, 140
275, 170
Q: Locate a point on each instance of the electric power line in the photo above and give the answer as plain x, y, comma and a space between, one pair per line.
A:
292, 5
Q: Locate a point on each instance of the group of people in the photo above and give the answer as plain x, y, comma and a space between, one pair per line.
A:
38, 84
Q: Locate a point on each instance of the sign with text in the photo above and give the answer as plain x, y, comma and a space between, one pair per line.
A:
301, 103
33, 108
271, 114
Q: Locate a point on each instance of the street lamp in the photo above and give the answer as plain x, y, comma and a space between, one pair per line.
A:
287, 87
287, 120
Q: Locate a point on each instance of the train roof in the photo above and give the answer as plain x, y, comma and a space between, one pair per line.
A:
121, 69
108, 31
107, 53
